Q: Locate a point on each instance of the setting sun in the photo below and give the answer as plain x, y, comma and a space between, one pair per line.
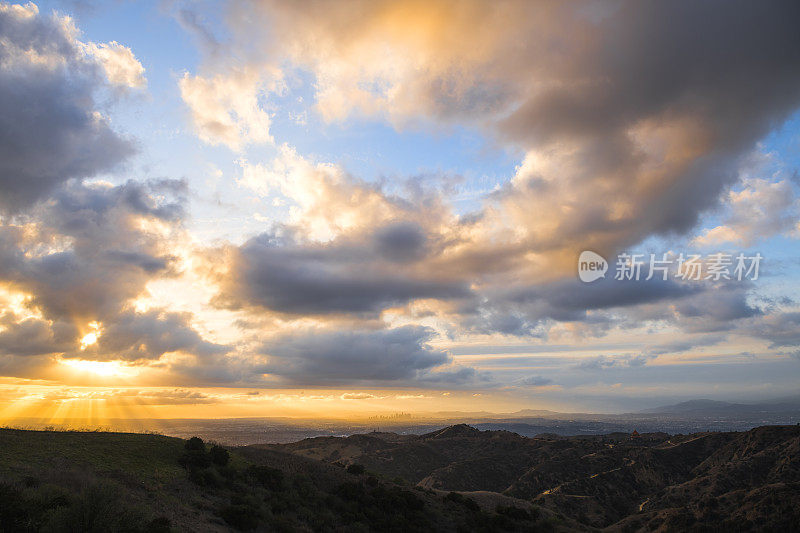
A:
88, 340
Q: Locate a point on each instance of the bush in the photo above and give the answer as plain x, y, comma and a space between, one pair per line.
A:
159, 524
206, 477
195, 444
469, 503
240, 516
14, 512
270, 478
513, 512
356, 469
96, 508
192, 459
219, 456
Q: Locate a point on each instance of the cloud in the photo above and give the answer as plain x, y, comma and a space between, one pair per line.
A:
331, 357
337, 277
719, 308
528, 310
401, 242
617, 107
133, 397
121, 67
761, 209
225, 108
326, 201
34, 336
149, 335
51, 130
535, 381
781, 329
358, 396
602, 362
456, 375
92, 248
83, 257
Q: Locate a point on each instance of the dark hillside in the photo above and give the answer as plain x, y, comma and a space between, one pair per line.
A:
77, 481
746, 480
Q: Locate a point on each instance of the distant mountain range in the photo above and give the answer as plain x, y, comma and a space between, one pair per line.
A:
714, 407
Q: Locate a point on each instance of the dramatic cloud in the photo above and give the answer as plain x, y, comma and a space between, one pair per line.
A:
633, 116
34, 336
81, 259
50, 130
92, 248
150, 335
326, 201
629, 124
278, 274
350, 356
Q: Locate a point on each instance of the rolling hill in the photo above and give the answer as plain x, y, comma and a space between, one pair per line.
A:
102, 482
739, 481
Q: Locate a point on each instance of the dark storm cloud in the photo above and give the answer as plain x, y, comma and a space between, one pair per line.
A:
287, 277
328, 357
49, 130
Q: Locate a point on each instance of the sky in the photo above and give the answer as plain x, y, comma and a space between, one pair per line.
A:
258, 208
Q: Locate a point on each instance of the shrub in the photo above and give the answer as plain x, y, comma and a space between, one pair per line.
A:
14, 513
270, 478
195, 444
192, 459
219, 456
513, 512
206, 477
240, 516
356, 469
159, 524
96, 508
469, 503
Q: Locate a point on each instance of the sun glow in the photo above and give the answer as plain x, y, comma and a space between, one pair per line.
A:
91, 337
88, 340
101, 368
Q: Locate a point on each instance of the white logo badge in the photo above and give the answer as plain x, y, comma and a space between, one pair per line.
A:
591, 266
